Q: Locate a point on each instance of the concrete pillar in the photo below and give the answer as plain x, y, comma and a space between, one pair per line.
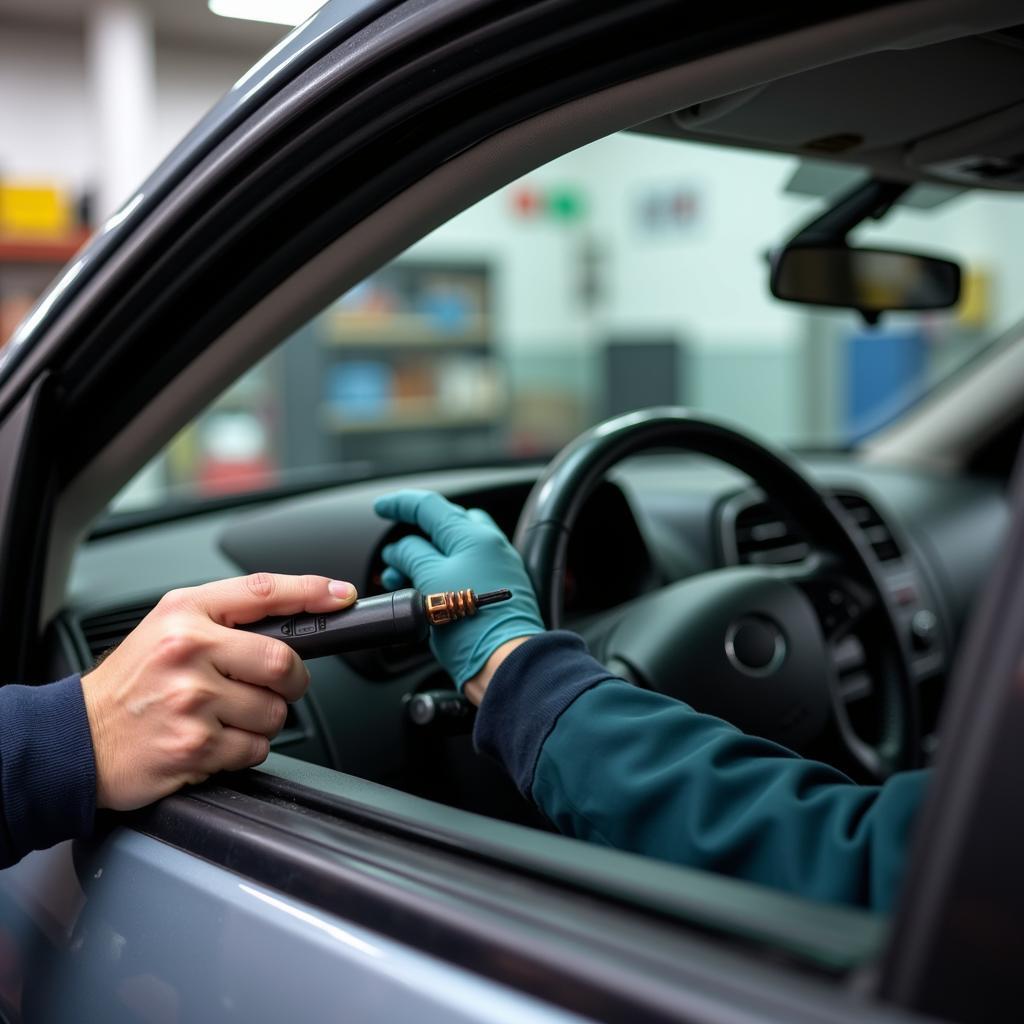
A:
120, 62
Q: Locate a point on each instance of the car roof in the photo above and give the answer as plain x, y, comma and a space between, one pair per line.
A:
948, 113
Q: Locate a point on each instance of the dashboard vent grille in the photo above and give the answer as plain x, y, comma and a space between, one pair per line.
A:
865, 516
765, 537
108, 629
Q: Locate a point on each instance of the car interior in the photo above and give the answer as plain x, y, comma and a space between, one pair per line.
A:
617, 261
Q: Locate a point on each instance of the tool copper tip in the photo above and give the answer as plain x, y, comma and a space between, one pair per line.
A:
452, 605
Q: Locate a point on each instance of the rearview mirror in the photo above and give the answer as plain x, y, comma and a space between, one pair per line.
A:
869, 280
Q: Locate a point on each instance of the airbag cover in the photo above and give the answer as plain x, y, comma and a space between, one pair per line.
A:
743, 644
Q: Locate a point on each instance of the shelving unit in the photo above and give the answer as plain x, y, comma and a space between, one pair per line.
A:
352, 330
27, 265
416, 417
403, 367
405, 359
53, 251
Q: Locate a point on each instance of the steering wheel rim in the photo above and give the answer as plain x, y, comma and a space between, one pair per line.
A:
553, 506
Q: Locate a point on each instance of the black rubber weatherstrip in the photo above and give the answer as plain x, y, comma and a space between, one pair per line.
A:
587, 955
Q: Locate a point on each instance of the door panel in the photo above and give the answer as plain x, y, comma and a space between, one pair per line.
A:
165, 937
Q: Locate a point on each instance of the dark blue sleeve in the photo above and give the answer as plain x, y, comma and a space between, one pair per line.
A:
614, 764
47, 768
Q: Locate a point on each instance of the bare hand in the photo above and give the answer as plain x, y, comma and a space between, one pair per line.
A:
185, 695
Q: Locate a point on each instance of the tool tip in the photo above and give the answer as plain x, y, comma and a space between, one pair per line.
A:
493, 597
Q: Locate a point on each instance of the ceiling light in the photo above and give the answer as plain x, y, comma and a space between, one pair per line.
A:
277, 12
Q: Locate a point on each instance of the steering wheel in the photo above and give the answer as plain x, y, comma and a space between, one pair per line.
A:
753, 644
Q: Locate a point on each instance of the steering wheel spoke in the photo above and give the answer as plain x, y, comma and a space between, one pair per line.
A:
872, 760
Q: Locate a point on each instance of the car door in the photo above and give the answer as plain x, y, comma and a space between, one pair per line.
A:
294, 889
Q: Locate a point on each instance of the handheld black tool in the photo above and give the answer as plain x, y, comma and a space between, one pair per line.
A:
402, 617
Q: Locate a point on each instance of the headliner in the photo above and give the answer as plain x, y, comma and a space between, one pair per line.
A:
950, 113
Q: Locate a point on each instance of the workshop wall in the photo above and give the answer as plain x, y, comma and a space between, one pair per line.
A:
619, 271
46, 124
48, 127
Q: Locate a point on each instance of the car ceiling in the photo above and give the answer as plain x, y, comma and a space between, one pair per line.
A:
950, 113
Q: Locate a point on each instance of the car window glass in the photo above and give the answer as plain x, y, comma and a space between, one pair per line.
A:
631, 272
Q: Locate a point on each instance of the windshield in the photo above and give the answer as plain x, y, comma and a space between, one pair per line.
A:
629, 273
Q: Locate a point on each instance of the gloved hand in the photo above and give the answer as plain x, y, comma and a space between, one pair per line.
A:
468, 551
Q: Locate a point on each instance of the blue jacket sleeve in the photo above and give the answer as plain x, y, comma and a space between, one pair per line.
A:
614, 764
47, 768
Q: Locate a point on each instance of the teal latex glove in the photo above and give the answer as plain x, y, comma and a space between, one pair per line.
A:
469, 551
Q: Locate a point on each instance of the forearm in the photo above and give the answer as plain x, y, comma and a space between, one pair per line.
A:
47, 770
611, 763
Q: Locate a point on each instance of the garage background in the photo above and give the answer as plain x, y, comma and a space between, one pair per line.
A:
619, 276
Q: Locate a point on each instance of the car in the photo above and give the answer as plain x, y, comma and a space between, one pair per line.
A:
374, 867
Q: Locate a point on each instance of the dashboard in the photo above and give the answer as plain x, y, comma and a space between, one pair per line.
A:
657, 519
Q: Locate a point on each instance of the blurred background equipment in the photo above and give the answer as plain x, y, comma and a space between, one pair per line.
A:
40, 231
93, 94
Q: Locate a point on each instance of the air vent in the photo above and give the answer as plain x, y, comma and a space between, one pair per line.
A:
871, 525
107, 630
763, 536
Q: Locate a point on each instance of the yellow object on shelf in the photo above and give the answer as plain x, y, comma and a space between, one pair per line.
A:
35, 211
